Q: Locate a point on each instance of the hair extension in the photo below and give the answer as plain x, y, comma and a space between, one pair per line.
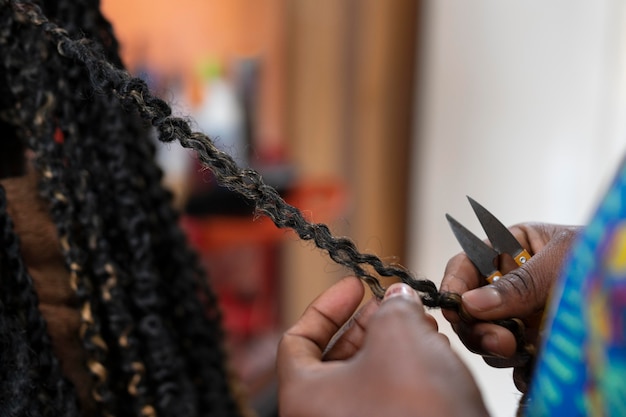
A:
149, 353
58, 183
150, 325
34, 360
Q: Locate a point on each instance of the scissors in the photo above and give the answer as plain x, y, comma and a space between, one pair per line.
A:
483, 256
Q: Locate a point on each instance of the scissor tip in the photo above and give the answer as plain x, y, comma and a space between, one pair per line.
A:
475, 205
450, 218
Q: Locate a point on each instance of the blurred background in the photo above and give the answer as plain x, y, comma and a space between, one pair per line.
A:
377, 118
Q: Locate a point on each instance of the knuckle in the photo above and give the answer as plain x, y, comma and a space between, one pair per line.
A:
519, 281
397, 316
524, 284
397, 308
282, 342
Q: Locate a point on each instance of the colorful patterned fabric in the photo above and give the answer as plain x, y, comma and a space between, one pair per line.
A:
581, 370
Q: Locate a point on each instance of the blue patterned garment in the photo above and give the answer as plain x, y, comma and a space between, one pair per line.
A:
581, 370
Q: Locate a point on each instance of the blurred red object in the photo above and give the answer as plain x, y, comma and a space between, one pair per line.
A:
240, 255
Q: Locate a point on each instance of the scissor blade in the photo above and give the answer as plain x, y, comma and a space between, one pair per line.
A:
500, 237
481, 255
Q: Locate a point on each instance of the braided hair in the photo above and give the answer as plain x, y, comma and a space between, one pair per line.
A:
150, 327
149, 354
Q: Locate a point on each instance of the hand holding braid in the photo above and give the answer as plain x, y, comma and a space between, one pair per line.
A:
391, 363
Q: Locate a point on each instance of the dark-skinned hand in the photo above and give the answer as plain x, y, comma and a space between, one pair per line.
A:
522, 292
388, 361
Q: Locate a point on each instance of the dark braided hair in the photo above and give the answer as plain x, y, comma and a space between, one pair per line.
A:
149, 354
150, 326
27, 366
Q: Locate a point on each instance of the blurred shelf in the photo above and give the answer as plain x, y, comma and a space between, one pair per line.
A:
319, 201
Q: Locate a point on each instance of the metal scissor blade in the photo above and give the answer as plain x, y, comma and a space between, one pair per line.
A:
481, 254
498, 234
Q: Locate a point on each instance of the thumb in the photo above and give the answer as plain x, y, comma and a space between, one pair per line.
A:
401, 310
521, 292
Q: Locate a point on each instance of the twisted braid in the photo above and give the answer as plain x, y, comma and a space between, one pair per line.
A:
201, 338
97, 192
30, 115
116, 281
34, 361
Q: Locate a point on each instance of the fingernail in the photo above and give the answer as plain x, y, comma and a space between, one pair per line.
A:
400, 290
482, 299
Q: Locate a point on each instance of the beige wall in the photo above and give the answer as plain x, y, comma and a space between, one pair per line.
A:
351, 66
522, 108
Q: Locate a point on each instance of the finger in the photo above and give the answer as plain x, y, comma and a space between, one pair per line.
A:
459, 277
403, 291
304, 343
520, 293
512, 362
537, 236
495, 340
487, 339
521, 378
432, 322
402, 308
400, 325
350, 337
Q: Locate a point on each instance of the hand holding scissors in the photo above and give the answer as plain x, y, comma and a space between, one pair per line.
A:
518, 289
483, 256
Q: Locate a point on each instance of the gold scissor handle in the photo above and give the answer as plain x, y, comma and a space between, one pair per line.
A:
494, 277
522, 257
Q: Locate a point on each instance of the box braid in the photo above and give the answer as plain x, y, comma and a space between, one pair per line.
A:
150, 326
26, 359
149, 354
